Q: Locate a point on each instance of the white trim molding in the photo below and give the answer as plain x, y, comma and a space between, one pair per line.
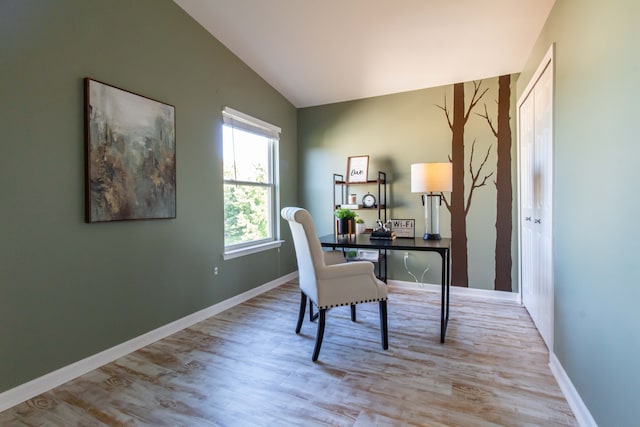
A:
458, 290
58, 377
252, 249
580, 410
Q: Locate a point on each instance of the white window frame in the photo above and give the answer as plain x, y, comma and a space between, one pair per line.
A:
240, 120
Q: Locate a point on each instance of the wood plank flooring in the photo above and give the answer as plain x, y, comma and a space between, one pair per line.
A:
247, 367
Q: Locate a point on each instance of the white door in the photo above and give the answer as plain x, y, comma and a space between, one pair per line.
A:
528, 251
535, 131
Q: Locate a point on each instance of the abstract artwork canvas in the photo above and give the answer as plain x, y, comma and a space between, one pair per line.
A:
130, 155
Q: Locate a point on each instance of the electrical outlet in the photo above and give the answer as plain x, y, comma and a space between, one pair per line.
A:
215, 271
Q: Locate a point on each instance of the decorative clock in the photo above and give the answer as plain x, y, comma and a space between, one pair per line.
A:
368, 201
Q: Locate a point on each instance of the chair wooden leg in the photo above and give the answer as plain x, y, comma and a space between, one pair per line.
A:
383, 325
316, 350
312, 316
303, 305
353, 312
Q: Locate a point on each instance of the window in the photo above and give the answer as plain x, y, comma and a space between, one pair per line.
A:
250, 150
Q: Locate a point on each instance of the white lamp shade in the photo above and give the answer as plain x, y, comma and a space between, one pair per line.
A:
431, 177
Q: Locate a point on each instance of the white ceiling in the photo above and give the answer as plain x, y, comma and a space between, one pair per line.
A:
323, 51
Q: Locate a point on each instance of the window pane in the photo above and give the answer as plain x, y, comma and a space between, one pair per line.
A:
246, 213
246, 155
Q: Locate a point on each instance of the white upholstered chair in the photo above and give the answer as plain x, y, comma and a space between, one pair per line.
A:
328, 281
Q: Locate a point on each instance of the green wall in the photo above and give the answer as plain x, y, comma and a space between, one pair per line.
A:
396, 131
68, 289
596, 176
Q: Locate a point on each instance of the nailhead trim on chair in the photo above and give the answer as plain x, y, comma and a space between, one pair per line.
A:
349, 303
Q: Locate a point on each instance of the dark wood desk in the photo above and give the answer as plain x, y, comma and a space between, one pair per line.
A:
443, 247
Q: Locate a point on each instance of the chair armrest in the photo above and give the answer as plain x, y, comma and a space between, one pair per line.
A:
349, 283
347, 269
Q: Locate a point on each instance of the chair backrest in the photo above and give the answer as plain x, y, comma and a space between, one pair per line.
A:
308, 249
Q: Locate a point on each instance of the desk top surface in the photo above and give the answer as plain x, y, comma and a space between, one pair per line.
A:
399, 243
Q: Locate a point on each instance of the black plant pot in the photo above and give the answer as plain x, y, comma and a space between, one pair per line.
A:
346, 226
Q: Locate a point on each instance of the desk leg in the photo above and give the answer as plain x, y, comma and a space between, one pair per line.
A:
444, 308
386, 269
448, 281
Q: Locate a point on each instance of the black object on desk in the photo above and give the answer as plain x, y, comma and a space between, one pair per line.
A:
382, 232
382, 235
443, 247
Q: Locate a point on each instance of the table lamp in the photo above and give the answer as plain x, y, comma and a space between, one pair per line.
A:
431, 179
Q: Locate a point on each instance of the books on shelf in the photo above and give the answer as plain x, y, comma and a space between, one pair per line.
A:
363, 255
350, 206
367, 255
382, 235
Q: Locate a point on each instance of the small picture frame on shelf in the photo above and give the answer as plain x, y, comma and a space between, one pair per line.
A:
358, 169
404, 227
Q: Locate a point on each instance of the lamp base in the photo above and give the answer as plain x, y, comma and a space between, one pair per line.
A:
432, 236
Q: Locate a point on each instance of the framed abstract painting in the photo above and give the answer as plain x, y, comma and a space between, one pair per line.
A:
130, 155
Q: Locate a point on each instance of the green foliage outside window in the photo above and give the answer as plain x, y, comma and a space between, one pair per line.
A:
245, 213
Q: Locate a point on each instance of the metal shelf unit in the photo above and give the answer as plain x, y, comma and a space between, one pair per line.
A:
341, 192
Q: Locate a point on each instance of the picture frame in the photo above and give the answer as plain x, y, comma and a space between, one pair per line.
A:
405, 228
358, 169
130, 155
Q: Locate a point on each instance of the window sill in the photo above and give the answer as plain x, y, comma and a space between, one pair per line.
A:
252, 249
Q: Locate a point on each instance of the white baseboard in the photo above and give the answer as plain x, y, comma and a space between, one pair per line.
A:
580, 410
58, 377
459, 290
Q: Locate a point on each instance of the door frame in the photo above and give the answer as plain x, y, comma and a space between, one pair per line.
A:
548, 61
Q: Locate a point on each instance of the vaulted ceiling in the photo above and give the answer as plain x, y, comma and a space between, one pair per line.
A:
323, 51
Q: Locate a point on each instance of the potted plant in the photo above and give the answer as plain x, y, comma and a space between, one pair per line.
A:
360, 226
345, 223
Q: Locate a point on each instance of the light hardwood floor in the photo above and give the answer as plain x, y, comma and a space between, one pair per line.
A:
247, 367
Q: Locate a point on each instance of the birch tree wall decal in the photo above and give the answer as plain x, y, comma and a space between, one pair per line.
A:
504, 197
458, 208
